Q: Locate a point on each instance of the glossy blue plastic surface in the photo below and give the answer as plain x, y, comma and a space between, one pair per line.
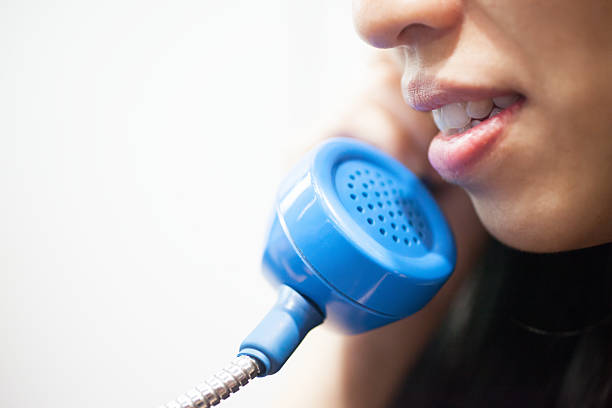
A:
281, 330
335, 243
358, 236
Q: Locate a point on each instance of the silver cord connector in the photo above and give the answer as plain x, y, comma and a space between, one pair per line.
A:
218, 386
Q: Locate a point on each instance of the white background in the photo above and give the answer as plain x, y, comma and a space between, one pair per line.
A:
141, 143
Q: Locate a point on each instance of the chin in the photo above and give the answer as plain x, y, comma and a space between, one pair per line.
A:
538, 227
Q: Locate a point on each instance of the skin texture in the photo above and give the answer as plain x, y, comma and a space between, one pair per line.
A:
545, 186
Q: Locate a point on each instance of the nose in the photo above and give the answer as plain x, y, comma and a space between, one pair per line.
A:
387, 23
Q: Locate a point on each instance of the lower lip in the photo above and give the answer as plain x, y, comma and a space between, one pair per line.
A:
454, 155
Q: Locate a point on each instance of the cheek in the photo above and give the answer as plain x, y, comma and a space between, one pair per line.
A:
548, 187
552, 190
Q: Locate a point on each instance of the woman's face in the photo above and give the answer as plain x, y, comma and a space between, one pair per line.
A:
540, 172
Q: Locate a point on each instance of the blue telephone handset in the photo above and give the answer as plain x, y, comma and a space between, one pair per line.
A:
356, 240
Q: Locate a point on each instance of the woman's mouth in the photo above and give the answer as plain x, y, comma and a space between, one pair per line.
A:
458, 117
470, 119
468, 131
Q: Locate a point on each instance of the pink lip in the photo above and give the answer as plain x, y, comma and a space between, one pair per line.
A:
454, 155
428, 93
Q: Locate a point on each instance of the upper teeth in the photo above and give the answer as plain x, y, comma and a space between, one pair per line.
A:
460, 116
479, 109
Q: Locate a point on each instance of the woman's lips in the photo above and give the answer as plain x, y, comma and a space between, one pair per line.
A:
453, 155
463, 142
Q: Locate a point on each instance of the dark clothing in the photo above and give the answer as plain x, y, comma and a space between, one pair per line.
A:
527, 331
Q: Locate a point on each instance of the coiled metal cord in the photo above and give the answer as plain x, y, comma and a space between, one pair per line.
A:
218, 386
